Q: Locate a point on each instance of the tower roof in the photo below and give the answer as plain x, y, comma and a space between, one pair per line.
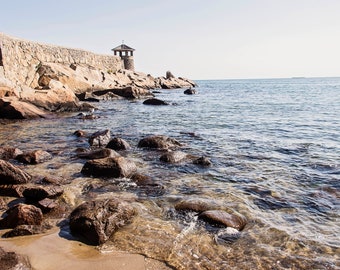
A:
123, 47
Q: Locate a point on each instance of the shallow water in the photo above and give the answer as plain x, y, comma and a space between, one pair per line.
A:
275, 149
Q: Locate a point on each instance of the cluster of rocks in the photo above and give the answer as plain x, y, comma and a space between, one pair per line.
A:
93, 221
59, 87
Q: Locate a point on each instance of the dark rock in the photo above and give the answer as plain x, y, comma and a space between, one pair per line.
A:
97, 154
147, 186
37, 193
34, 157
221, 217
196, 205
110, 167
100, 138
21, 214
173, 157
118, 144
96, 221
13, 261
158, 142
169, 75
203, 161
12, 190
10, 174
190, 91
80, 133
155, 101
7, 153
23, 230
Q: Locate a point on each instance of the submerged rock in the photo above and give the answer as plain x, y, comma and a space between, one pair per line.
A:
21, 214
34, 157
10, 174
223, 218
202, 161
96, 221
110, 167
22, 230
190, 91
173, 157
158, 142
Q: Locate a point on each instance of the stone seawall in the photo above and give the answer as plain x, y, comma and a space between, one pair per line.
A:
22, 58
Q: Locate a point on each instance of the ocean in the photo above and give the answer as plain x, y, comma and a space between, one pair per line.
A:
274, 145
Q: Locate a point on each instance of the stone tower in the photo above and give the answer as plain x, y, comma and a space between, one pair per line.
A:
126, 54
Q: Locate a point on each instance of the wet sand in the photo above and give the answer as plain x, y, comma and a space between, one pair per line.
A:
50, 252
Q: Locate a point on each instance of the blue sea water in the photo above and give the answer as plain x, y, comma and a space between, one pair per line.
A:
275, 151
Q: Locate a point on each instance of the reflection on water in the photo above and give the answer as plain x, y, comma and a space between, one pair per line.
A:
275, 151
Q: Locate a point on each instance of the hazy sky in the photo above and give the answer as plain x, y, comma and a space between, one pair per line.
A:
198, 39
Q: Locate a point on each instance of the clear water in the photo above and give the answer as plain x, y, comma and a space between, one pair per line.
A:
275, 149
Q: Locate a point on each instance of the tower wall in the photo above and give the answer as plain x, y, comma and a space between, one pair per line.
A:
128, 62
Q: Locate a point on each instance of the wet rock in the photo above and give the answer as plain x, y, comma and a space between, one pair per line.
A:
12, 190
118, 144
147, 186
13, 261
196, 205
47, 205
96, 221
173, 157
80, 133
100, 138
37, 193
21, 214
97, 154
7, 153
227, 236
155, 101
190, 91
109, 167
221, 217
10, 174
34, 157
158, 142
23, 230
202, 161
52, 179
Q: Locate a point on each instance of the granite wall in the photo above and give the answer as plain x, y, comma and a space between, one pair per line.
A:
21, 58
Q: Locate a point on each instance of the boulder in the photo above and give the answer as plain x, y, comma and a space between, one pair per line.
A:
13, 261
37, 193
80, 133
21, 214
12, 190
7, 153
109, 167
190, 91
12, 108
154, 101
10, 174
173, 157
96, 221
158, 142
47, 205
34, 157
221, 217
99, 153
130, 92
100, 138
118, 144
196, 205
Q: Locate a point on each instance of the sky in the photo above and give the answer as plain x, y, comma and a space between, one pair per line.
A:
196, 39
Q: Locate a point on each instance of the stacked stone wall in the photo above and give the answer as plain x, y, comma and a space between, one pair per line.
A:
21, 58
129, 63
